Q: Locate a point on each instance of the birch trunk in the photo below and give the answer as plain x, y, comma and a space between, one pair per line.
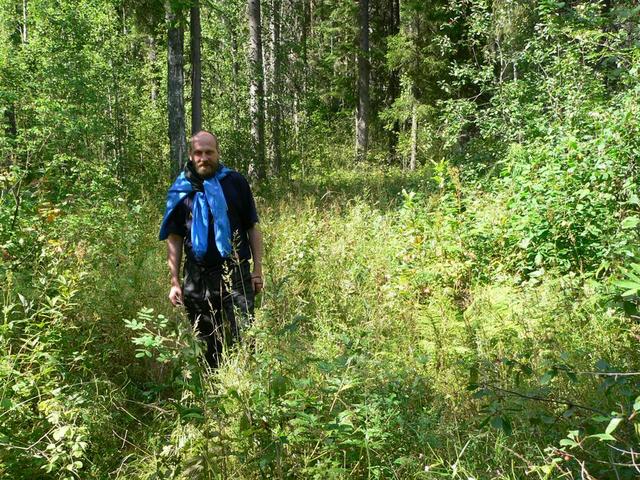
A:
275, 105
24, 32
256, 90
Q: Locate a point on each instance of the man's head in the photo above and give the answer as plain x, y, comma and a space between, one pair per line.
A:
204, 153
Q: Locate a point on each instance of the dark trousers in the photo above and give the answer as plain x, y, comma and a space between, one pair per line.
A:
219, 302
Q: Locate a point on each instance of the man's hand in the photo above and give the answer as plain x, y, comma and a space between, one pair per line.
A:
255, 243
257, 282
174, 255
175, 295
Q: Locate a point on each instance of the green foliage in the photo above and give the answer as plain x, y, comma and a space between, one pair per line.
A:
573, 205
630, 285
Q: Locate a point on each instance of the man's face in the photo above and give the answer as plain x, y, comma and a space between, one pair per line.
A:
204, 155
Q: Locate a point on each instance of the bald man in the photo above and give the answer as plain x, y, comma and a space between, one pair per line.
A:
211, 216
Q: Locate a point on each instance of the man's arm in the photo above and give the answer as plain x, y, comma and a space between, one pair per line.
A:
174, 257
255, 243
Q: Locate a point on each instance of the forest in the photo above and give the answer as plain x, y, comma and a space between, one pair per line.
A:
449, 194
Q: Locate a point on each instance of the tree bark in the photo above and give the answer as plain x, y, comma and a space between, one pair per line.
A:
306, 30
152, 56
175, 94
235, 68
196, 70
394, 82
17, 41
275, 87
256, 91
362, 115
296, 122
24, 31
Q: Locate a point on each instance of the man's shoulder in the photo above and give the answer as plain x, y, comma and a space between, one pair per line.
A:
235, 175
235, 178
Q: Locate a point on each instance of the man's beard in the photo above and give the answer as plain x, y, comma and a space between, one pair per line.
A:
205, 171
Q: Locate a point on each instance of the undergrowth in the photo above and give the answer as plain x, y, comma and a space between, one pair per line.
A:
388, 344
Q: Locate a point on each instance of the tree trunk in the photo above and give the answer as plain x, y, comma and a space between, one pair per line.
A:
116, 117
196, 70
24, 31
17, 40
414, 137
256, 91
152, 56
275, 86
362, 116
296, 122
11, 129
235, 68
394, 83
175, 87
306, 30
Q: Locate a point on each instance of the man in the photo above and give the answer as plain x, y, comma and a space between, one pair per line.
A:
211, 214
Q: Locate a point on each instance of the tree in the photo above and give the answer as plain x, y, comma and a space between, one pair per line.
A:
196, 69
256, 90
275, 85
362, 116
175, 87
394, 80
17, 40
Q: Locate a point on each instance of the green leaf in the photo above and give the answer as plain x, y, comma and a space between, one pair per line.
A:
483, 392
192, 415
629, 285
245, 423
613, 424
524, 243
278, 385
566, 442
548, 376
502, 423
603, 437
633, 277
60, 432
537, 273
630, 223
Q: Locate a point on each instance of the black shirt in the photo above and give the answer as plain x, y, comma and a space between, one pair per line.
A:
242, 213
